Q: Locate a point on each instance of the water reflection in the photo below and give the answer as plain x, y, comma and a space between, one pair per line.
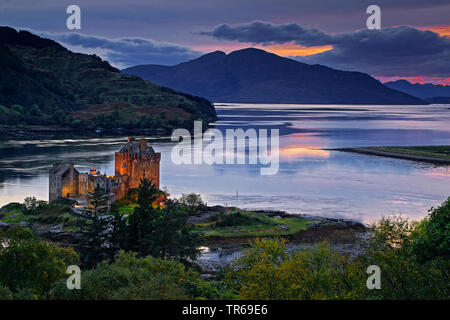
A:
295, 152
311, 179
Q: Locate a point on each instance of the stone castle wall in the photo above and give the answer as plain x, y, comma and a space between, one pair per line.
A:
138, 166
83, 184
55, 187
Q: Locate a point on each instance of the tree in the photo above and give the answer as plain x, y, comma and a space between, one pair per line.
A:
191, 200
433, 236
133, 278
141, 221
31, 205
94, 246
174, 237
160, 232
117, 235
268, 271
30, 264
403, 275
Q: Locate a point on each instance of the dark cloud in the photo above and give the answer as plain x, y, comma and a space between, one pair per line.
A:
267, 33
175, 20
395, 51
124, 52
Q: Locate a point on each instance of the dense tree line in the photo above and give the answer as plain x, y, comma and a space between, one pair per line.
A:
17, 115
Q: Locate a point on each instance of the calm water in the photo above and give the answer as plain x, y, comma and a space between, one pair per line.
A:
312, 179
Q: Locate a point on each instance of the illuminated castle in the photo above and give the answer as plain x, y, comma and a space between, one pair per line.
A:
134, 161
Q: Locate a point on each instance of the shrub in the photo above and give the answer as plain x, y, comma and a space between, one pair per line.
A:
268, 271
192, 201
433, 234
31, 265
136, 278
403, 276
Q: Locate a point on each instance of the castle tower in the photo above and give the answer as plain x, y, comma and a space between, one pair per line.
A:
63, 181
137, 160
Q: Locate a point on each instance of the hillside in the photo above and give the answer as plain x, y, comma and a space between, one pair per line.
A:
256, 76
43, 83
434, 93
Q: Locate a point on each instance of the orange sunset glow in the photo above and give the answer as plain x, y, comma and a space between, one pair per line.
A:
417, 79
441, 30
287, 50
299, 151
284, 50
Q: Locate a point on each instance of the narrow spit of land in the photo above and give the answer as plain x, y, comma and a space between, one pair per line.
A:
432, 154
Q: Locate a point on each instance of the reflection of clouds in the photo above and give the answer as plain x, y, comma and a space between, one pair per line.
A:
293, 152
439, 174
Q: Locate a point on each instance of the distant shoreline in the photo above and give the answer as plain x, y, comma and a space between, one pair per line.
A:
407, 153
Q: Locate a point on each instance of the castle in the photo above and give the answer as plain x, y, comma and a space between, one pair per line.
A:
134, 161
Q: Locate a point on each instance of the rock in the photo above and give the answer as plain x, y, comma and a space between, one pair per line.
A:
313, 224
202, 207
355, 224
284, 227
220, 209
4, 226
199, 217
56, 229
207, 276
277, 217
24, 224
271, 213
341, 224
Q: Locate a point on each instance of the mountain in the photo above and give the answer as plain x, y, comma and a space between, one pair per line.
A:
256, 76
428, 91
43, 83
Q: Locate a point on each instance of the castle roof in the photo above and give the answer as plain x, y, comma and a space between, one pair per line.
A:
140, 146
60, 169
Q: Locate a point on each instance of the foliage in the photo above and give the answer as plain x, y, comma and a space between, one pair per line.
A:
160, 232
239, 219
268, 271
103, 234
192, 201
245, 224
33, 206
403, 275
433, 239
5, 293
136, 278
412, 257
57, 212
31, 265
50, 91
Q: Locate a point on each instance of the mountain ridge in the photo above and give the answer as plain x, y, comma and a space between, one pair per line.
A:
54, 86
434, 93
253, 75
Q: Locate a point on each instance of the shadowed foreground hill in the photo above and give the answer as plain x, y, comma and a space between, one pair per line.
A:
256, 76
43, 83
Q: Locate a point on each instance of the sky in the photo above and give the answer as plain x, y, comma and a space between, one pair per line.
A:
413, 42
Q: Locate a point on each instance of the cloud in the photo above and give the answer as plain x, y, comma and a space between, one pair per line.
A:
125, 52
394, 51
267, 33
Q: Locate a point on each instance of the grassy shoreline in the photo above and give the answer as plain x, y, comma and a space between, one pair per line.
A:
433, 154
